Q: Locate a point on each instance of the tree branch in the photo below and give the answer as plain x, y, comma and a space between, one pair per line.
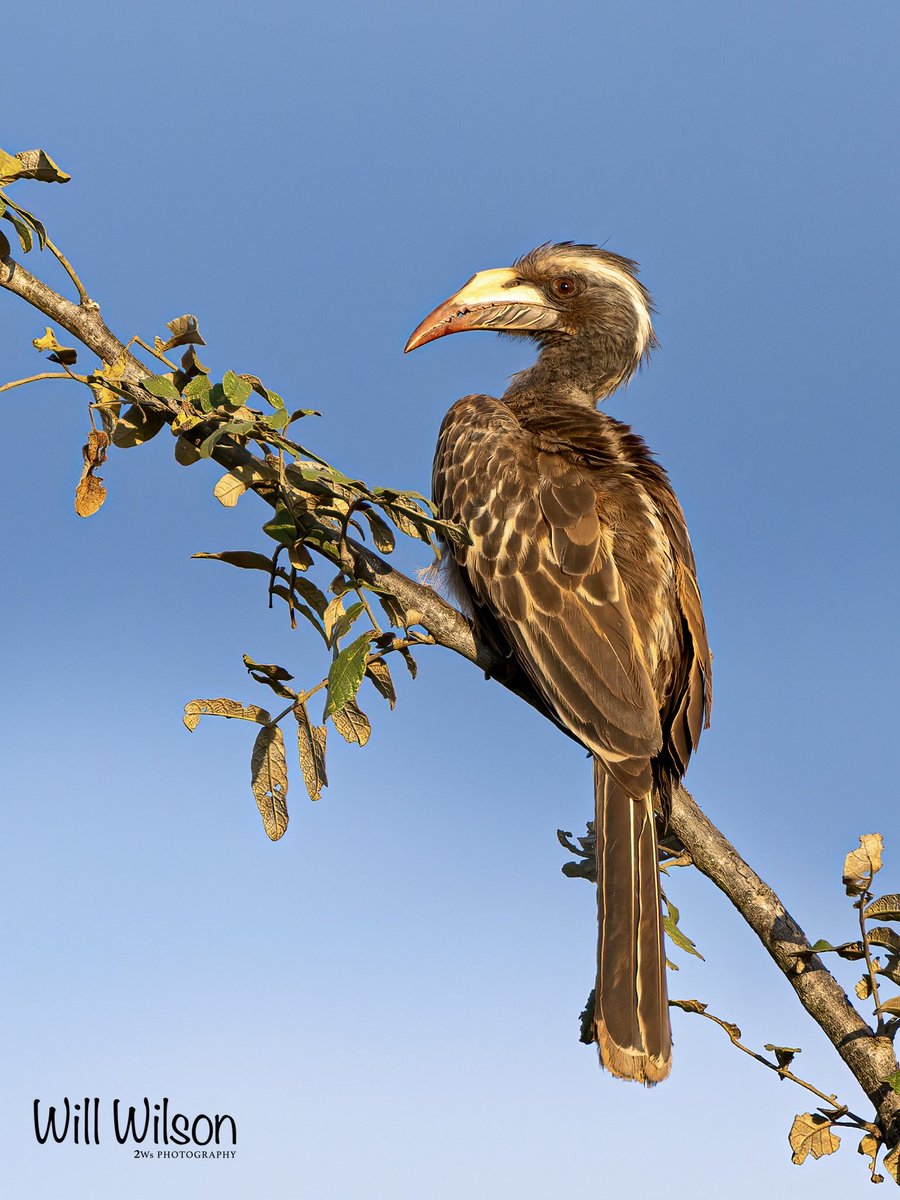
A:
870, 1058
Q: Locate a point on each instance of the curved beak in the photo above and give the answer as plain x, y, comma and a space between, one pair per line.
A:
496, 300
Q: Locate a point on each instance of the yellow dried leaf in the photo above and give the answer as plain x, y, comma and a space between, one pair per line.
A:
891, 1163
862, 864
185, 454
869, 1146
864, 988
89, 495
232, 486
268, 779
811, 1133
36, 164
62, 354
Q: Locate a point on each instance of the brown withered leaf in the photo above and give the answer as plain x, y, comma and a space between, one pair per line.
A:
811, 1133
94, 449
379, 673
90, 491
886, 907
89, 495
891, 1006
784, 1055
269, 781
311, 744
863, 989
393, 610
882, 936
690, 1006
869, 1147
184, 332
862, 864
352, 723
221, 707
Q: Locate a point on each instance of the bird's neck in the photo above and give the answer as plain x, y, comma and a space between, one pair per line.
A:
580, 371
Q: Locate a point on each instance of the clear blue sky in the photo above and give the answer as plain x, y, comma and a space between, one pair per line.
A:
387, 999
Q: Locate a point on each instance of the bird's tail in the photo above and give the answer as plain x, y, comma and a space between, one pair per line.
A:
631, 1011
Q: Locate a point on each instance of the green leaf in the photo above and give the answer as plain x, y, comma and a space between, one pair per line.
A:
352, 723
893, 1081
269, 781
230, 428
345, 621
237, 390
21, 228
346, 674
670, 924
161, 387
197, 393
277, 420
820, 947
281, 527
298, 413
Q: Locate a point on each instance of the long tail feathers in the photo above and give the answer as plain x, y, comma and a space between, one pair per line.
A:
631, 1012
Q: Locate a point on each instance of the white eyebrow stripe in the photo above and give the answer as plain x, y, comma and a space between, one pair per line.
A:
623, 280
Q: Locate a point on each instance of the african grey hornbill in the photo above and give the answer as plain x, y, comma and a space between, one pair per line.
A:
581, 566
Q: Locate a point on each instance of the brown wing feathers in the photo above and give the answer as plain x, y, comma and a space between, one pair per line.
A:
580, 556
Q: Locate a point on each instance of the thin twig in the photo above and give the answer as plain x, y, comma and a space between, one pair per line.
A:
83, 298
43, 375
870, 966
783, 1072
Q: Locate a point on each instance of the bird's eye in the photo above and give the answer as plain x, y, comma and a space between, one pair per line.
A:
564, 287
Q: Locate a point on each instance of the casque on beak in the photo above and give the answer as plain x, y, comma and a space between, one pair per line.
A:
496, 300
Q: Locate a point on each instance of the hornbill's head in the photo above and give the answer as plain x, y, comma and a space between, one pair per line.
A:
583, 305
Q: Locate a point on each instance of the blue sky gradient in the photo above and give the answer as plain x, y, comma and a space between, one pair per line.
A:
387, 999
